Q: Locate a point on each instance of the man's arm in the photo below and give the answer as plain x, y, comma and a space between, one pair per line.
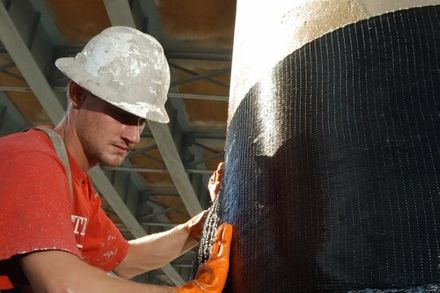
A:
59, 271
156, 250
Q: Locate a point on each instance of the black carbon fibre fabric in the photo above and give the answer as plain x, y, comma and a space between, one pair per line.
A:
334, 184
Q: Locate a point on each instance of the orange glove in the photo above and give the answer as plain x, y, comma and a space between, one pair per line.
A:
216, 180
211, 275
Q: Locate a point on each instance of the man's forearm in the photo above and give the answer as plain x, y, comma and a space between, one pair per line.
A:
154, 251
59, 271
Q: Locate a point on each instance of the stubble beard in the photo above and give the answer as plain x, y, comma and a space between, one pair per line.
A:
111, 160
105, 156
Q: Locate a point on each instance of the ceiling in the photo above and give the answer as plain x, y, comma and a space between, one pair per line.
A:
163, 182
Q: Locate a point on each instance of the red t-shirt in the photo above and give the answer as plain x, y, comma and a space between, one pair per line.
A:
36, 211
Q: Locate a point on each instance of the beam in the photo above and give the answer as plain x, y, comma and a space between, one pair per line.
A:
200, 55
199, 76
30, 70
167, 147
175, 95
192, 72
119, 12
158, 171
13, 121
172, 95
172, 54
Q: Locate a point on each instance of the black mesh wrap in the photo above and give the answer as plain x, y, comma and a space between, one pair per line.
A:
335, 185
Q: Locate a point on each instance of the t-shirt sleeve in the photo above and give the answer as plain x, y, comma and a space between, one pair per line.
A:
34, 205
104, 245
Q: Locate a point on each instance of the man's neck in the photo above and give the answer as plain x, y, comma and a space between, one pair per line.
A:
73, 144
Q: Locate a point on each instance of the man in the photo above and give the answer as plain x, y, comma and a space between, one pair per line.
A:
62, 241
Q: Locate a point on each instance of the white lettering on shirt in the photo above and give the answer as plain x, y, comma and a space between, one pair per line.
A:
79, 225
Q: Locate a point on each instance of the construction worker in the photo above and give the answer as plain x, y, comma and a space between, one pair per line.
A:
54, 235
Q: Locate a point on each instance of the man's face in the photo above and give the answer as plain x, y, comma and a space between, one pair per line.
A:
106, 132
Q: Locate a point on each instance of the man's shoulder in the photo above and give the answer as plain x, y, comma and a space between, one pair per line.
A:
25, 142
28, 153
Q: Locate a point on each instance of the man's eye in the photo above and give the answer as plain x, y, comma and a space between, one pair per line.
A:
127, 118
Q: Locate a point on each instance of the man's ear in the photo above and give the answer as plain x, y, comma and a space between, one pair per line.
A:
77, 94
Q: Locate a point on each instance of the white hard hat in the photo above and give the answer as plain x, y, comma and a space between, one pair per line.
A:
124, 67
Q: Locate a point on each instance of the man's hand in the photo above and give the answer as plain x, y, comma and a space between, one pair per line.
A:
194, 226
215, 181
211, 275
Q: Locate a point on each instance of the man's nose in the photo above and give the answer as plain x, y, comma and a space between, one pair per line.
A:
132, 133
